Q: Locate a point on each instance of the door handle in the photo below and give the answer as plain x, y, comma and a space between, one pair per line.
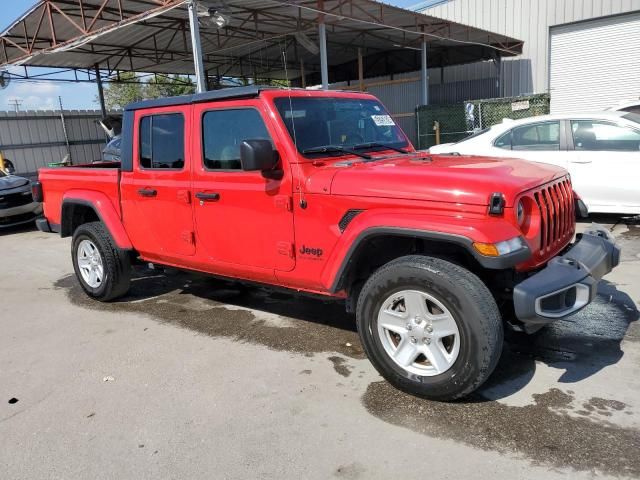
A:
580, 161
208, 197
148, 192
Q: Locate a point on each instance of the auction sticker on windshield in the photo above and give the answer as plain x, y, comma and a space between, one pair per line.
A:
382, 120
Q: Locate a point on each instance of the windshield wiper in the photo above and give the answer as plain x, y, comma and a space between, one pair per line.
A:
335, 148
377, 144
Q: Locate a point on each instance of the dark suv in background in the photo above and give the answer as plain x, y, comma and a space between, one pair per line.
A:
16, 201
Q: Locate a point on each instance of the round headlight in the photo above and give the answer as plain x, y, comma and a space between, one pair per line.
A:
520, 213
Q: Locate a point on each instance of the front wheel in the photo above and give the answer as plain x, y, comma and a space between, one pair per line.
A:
103, 270
430, 327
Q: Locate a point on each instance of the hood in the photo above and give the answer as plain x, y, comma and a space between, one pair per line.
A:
443, 178
11, 181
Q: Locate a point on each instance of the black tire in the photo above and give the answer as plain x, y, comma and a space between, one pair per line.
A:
116, 262
470, 303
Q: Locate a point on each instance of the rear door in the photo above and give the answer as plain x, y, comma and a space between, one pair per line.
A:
244, 220
605, 165
156, 200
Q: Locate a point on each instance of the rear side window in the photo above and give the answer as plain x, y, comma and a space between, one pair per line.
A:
539, 136
603, 136
224, 131
162, 141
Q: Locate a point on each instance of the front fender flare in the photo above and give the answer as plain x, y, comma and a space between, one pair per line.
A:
460, 231
104, 209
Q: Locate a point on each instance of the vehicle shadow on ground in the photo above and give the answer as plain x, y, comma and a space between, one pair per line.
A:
542, 430
26, 227
248, 313
581, 345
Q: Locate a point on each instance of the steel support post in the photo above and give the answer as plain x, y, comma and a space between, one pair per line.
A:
424, 78
324, 69
201, 81
103, 107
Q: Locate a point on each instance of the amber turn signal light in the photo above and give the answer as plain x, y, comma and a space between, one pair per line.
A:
488, 249
501, 248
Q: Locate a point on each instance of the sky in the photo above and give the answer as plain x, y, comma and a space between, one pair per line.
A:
44, 95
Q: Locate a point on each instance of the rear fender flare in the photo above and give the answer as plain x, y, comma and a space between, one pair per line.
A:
104, 209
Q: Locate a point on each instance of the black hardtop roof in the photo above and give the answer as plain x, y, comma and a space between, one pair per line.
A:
222, 94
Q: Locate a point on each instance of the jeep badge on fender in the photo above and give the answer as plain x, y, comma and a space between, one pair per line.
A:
315, 252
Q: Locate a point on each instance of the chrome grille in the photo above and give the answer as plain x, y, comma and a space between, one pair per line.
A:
557, 214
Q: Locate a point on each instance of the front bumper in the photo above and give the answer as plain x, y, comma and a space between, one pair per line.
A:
569, 282
12, 216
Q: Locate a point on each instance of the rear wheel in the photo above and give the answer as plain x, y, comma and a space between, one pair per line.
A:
430, 327
103, 270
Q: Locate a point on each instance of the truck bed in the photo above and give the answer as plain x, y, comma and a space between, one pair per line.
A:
96, 177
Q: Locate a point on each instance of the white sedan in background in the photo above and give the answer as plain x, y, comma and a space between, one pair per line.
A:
601, 151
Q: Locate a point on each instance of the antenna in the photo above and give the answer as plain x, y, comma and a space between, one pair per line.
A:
303, 202
286, 76
15, 103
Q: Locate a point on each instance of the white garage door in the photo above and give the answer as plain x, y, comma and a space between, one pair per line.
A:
594, 65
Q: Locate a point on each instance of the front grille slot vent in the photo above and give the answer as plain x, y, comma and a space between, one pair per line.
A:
557, 214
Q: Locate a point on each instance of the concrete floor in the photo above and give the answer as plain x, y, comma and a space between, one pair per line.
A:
190, 377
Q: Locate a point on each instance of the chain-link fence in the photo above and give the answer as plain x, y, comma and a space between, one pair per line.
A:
451, 123
481, 114
440, 124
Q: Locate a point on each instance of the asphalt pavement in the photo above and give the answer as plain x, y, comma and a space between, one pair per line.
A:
194, 378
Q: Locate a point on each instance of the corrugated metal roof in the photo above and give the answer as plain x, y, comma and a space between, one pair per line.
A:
153, 36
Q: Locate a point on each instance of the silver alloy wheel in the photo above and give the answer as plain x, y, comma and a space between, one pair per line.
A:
419, 333
90, 263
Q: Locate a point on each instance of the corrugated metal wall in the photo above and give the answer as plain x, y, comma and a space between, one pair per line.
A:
607, 69
527, 20
33, 139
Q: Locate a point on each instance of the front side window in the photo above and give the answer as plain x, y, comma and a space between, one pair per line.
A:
539, 136
223, 132
593, 135
162, 141
353, 123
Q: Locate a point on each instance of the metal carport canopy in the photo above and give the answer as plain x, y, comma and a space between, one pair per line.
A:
153, 36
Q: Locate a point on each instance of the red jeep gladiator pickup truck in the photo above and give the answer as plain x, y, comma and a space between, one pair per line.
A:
321, 192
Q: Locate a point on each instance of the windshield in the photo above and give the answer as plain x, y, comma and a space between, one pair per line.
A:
350, 123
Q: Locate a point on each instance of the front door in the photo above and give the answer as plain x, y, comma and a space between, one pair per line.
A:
156, 198
605, 165
244, 220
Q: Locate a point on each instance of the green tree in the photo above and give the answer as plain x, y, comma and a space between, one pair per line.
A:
120, 93
129, 88
159, 87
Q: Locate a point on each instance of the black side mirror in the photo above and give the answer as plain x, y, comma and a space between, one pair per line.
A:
258, 155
